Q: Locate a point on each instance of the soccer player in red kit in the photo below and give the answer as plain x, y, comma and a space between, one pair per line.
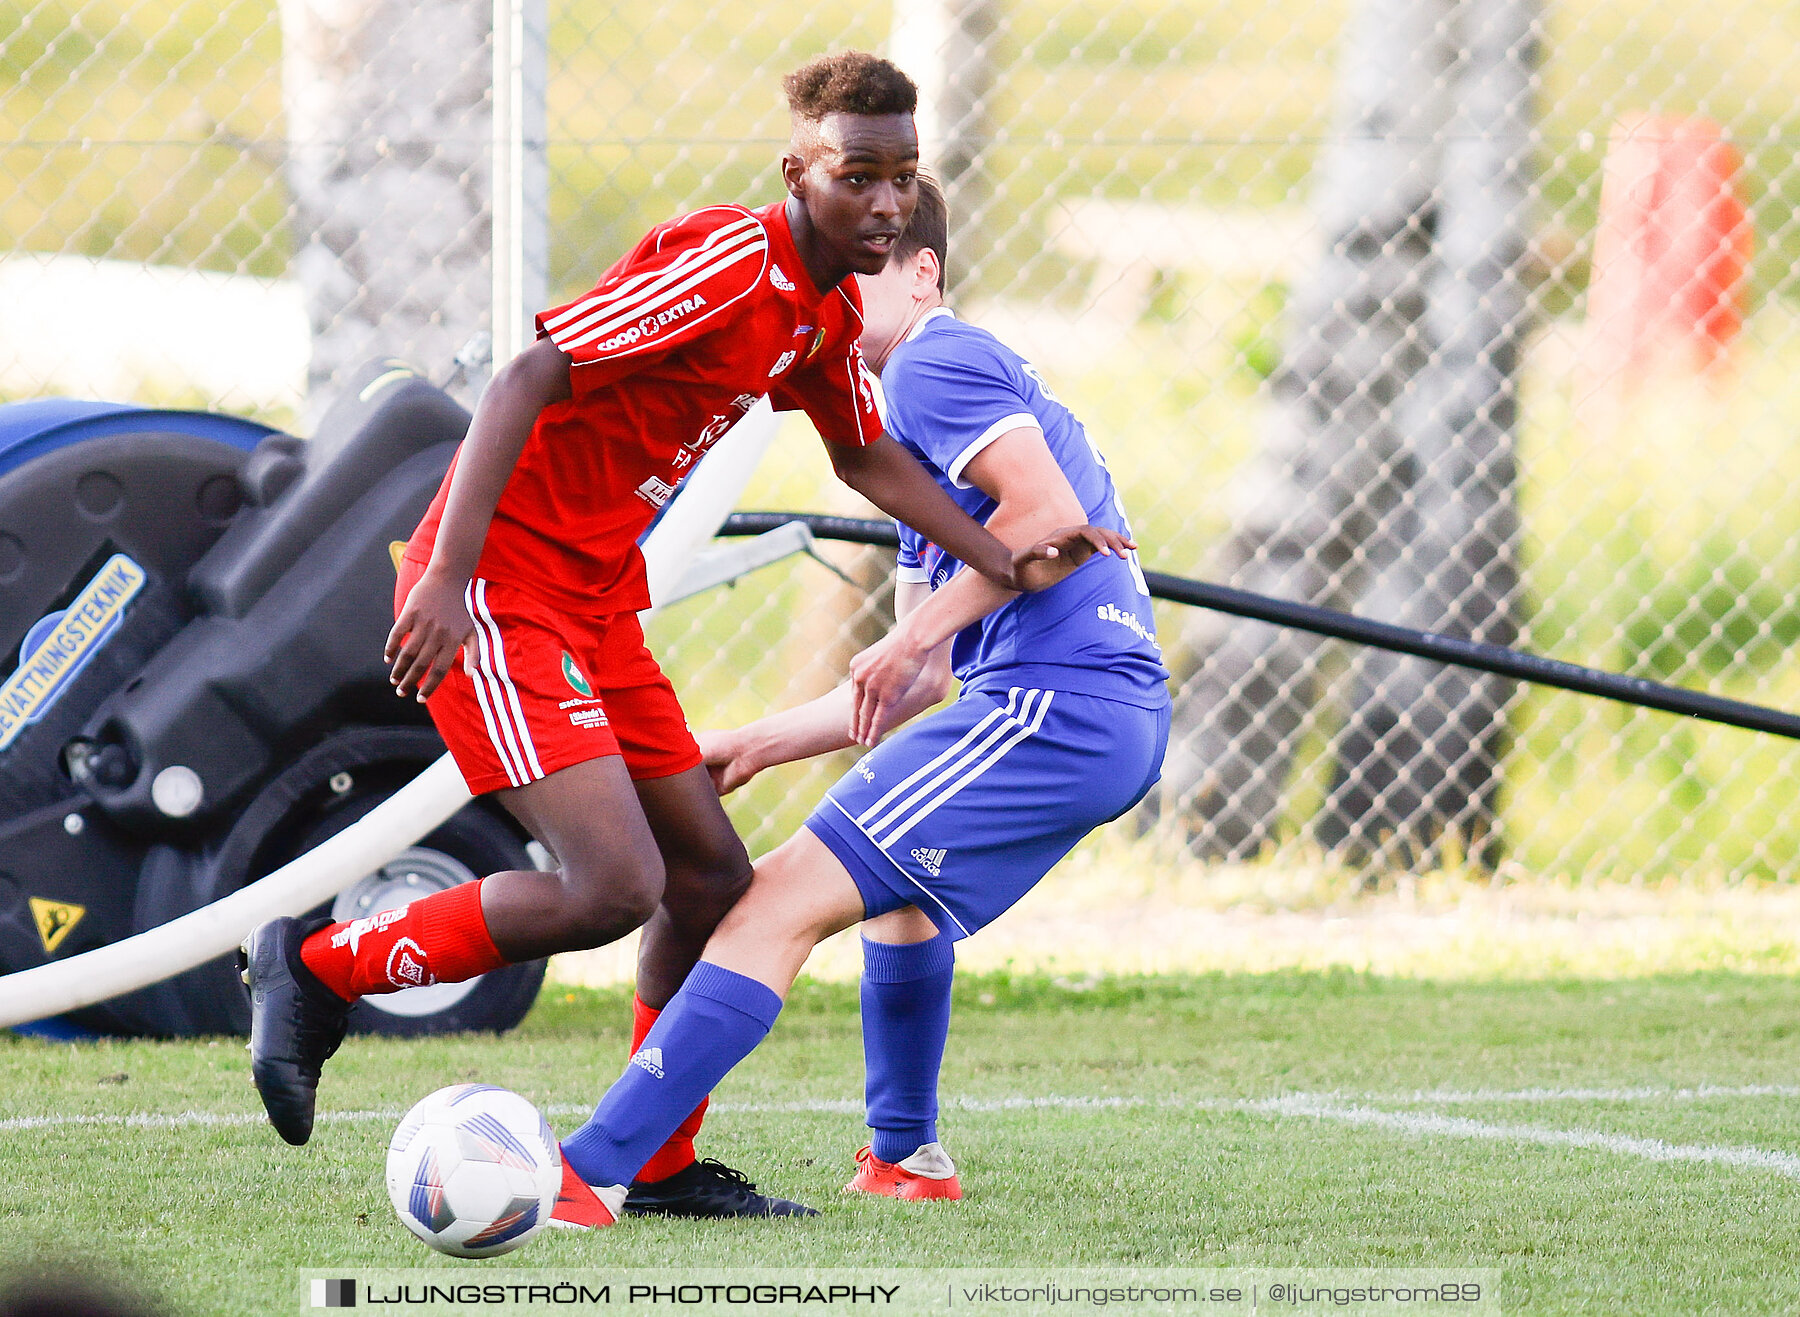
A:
527, 564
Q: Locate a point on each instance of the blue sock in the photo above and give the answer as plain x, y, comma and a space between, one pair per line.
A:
906, 1019
715, 1021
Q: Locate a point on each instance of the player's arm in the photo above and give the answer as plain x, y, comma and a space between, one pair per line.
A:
892, 479
1034, 497
434, 622
588, 345
822, 725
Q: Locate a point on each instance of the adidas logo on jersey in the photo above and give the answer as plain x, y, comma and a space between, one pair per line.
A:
932, 859
780, 280
649, 1058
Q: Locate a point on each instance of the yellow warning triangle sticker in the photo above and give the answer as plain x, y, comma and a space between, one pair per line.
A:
395, 549
54, 920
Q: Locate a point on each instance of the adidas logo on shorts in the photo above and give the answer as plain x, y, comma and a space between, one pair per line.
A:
931, 859
649, 1058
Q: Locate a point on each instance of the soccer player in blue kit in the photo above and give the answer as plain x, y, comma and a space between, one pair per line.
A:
1060, 725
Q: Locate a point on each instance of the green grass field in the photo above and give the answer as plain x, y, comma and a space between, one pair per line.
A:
1608, 1146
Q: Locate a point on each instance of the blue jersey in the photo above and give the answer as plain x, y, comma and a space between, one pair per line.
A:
951, 390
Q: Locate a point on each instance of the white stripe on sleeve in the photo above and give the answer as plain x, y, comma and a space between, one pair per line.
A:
1017, 421
635, 285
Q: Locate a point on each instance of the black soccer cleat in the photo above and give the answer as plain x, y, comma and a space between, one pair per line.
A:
296, 1023
707, 1189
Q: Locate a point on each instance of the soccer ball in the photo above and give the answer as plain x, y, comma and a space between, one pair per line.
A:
473, 1170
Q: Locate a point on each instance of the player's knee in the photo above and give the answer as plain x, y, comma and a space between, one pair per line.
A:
788, 901
601, 906
702, 888
715, 860
723, 884
751, 923
606, 918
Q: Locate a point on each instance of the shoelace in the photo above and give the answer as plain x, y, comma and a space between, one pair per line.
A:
720, 1171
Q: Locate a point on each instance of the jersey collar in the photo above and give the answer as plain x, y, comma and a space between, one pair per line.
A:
926, 319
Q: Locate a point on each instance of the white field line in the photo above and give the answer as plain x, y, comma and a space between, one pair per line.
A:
1055, 1102
827, 1106
1428, 1125
1700, 1093
1315, 1106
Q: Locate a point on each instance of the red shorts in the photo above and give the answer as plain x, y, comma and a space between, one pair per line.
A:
551, 690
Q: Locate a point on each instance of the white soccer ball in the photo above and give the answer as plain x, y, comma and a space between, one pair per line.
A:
473, 1170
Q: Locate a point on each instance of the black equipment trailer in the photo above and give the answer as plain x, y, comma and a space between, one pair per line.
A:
192, 611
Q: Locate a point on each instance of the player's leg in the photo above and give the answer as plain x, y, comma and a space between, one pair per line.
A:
908, 968
608, 880
1008, 789
556, 765
800, 895
708, 871
305, 974
964, 813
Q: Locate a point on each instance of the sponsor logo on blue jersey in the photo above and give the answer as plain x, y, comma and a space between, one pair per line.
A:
953, 389
1130, 621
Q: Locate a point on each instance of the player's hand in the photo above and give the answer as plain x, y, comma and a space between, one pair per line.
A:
880, 678
433, 625
1052, 558
726, 761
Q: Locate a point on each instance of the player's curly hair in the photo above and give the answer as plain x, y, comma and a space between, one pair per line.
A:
849, 82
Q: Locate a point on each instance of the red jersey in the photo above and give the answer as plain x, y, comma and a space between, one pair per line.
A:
709, 313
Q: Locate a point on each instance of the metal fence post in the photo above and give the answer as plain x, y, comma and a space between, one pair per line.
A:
521, 174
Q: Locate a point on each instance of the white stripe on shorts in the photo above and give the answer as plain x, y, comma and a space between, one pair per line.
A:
514, 743
869, 818
480, 680
997, 732
512, 691
1021, 730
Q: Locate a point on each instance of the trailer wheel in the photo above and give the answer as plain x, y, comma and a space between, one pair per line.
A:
473, 842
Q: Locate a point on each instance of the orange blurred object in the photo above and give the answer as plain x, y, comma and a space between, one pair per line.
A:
1672, 249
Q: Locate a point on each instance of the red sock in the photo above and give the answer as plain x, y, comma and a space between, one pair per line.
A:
678, 1153
441, 938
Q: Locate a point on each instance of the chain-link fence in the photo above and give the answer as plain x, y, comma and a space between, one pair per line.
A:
1475, 315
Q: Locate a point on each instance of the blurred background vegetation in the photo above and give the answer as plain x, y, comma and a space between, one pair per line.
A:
1660, 527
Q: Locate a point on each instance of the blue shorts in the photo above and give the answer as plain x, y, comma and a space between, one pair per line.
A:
962, 814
